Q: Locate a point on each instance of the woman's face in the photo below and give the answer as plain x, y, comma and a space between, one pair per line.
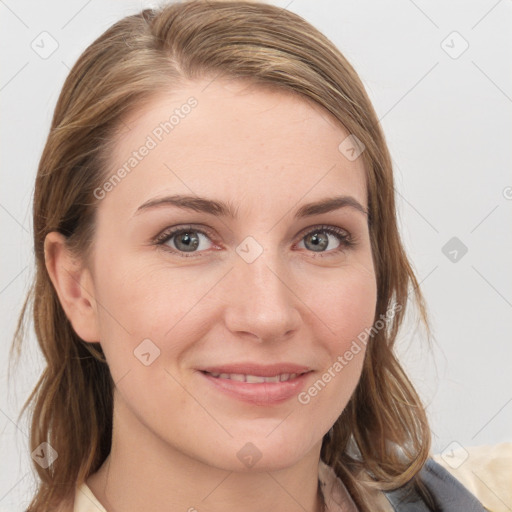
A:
273, 284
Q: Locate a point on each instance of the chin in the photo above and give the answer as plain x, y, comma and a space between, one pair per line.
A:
263, 452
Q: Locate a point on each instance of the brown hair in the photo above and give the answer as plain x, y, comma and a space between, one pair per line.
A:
382, 438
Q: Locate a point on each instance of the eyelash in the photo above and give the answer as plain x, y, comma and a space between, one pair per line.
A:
346, 241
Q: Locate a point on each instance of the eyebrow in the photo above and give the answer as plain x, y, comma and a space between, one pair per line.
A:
222, 209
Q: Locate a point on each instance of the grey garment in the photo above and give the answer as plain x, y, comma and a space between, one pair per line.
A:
448, 493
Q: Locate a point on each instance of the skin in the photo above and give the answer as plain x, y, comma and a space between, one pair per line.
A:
176, 438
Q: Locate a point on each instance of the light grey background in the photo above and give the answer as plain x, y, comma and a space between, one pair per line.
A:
447, 119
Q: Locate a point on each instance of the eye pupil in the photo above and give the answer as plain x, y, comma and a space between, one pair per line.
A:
190, 243
321, 241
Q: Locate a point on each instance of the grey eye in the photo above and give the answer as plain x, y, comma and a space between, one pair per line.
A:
318, 240
186, 240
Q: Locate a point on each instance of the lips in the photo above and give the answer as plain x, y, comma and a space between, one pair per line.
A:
257, 384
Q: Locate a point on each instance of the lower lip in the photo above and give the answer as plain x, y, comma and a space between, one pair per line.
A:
260, 393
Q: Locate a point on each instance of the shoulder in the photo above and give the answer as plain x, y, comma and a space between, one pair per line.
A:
447, 492
486, 471
85, 500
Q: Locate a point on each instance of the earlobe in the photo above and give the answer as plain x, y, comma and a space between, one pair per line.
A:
74, 286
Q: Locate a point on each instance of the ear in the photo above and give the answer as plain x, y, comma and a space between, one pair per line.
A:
74, 286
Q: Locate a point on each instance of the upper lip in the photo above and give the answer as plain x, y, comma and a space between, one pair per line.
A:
257, 369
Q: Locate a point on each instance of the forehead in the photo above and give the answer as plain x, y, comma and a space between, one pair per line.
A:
228, 139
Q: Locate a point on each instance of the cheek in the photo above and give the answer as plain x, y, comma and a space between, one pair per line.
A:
346, 311
353, 315
345, 304
140, 297
130, 305
141, 300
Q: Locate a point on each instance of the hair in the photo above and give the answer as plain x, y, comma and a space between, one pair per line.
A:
382, 438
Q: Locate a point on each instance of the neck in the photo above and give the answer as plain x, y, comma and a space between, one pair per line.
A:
143, 472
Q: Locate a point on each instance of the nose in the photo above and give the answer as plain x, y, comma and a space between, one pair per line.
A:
261, 303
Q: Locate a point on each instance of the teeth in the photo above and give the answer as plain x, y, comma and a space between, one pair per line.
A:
254, 379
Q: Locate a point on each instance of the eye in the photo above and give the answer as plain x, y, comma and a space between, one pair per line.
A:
189, 239
318, 239
186, 239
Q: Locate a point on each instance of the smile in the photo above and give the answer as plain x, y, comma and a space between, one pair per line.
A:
253, 379
255, 389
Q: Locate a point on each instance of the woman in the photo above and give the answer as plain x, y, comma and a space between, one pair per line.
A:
220, 279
